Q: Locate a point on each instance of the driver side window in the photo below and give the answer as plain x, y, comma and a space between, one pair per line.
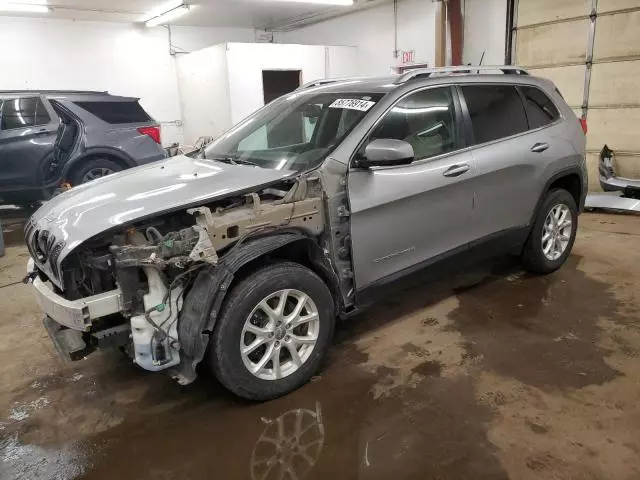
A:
425, 119
293, 129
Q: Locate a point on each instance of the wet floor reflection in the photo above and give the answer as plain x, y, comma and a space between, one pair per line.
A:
289, 446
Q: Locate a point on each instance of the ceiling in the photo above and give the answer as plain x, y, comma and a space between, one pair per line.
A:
260, 14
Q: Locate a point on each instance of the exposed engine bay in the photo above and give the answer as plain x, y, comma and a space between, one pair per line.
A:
164, 269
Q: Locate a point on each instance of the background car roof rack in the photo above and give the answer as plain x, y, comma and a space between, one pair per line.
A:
460, 69
53, 92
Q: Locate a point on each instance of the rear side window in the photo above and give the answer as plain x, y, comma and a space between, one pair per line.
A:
116, 112
23, 112
496, 111
540, 109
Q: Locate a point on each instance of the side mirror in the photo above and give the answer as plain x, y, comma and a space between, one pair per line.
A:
386, 152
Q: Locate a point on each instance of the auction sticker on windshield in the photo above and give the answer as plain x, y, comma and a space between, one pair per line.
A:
352, 104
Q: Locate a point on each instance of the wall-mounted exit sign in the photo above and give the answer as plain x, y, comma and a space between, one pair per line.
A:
408, 56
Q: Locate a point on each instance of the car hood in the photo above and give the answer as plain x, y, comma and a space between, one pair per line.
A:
172, 184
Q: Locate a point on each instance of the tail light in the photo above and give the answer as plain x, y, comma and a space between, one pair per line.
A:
583, 124
153, 132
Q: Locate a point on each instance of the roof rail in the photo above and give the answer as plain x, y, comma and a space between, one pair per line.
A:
460, 69
53, 92
317, 83
327, 81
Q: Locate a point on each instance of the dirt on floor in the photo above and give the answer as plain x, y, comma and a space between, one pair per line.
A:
493, 374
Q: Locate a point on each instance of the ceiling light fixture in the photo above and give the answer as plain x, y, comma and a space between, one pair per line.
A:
343, 3
166, 13
24, 7
160, 9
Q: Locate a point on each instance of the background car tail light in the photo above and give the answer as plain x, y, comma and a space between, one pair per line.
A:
153, 132
583, 124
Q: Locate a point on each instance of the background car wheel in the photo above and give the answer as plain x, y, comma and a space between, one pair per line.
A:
553, 233
96, 168
273, 332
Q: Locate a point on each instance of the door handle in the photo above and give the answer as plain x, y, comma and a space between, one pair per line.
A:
539, 147
42, 131
456, 170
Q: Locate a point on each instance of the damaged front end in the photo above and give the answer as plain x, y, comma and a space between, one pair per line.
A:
154, 288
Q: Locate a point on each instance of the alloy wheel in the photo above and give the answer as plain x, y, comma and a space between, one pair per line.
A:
279, 334
556, 232
97, 172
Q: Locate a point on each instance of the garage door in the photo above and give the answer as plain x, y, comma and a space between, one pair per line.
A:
556, 39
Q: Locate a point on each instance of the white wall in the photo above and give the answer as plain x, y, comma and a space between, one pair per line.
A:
484, 31
121, 58
191, 39
372, 32
245, 62
204, 93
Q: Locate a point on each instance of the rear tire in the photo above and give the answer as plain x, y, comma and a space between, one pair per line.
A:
551, 238
93, 169
272, 369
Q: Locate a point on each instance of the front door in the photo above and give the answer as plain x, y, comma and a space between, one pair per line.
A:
27, 134
404, 217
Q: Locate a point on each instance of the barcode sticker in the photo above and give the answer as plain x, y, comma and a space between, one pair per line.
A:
352, 104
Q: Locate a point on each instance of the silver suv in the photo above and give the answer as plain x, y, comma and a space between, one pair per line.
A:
304, 213
54, 137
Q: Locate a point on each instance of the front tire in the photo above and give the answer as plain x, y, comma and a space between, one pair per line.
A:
553, 233
273, 333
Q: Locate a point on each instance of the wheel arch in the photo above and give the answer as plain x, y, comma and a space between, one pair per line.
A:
571, 183
569, 179
200, 309
113, 154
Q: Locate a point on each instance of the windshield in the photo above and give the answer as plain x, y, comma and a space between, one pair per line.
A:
296, 132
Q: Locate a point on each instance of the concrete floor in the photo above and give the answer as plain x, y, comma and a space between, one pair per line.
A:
491, 375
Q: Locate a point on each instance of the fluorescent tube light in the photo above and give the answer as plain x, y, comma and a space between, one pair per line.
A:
168, 16
161, 9
344, 3
20, 7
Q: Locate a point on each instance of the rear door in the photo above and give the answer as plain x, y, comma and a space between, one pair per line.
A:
406, 217
510, 159
67, 135
27, 134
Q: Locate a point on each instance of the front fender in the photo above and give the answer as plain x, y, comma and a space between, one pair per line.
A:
204, 301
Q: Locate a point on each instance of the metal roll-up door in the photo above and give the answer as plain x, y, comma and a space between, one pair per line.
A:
591, 50
551, 41
614, 93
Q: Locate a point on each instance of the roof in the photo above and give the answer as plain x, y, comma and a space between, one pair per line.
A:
53, 92
75, 95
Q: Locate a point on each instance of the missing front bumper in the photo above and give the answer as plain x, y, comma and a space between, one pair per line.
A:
621, 194
610, 182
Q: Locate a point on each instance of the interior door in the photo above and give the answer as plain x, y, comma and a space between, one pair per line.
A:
27, 135
404, 217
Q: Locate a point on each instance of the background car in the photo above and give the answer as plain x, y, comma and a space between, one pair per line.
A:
50, 138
